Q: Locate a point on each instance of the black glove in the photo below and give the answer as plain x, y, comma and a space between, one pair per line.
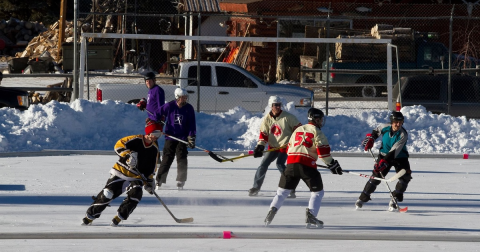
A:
335, 168
149, 185
191, 142
258, 152
142, 104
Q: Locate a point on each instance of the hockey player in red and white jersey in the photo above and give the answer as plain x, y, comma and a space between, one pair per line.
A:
306, 145
276, 128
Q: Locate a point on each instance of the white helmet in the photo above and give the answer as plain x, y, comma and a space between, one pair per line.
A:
179, 92
274, 99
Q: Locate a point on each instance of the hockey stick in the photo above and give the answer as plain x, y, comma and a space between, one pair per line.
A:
216, 157
185, 220
393, 178
401, 210
248, 155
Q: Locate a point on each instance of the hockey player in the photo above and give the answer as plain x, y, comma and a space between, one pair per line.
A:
276, 129
138, 153
155, 98
393, 152
180, 123
305, 146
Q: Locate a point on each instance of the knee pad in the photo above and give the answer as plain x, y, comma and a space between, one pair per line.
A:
107, 193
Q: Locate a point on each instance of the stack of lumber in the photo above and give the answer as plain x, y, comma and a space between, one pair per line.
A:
401, 37
19, 32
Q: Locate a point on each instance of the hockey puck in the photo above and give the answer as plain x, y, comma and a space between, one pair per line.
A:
227, 234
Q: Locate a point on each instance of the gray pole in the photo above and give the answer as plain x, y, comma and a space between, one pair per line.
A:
198, 62
75, 52
449, 91
327, 53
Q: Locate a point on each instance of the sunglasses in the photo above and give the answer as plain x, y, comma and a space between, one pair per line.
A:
276, 104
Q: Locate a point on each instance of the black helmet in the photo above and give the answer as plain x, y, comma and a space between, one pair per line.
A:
396, 116
149, 76
313, 114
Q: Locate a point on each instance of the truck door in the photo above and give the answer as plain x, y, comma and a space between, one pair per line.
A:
433, 55
234, 88
207, 94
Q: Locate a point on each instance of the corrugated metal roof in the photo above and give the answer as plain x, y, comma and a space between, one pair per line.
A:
202, 6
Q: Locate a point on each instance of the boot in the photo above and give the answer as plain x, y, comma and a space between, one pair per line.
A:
115, 221
253, 191
359, 204
392, 207
312, 221
292, 194
270, 216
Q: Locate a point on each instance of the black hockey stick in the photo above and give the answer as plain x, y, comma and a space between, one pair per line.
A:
216, 157
401, 210
248, 155
184, 220
393, 178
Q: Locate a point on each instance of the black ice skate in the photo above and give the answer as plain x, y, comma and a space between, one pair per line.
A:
312, 221
359, 204
392, 206
180, 185
253, 191
86, 221
115, 221
270, 216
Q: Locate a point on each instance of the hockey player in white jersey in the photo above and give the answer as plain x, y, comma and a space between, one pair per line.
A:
306, 144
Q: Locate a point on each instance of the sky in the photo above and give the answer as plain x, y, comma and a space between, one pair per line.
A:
44, 198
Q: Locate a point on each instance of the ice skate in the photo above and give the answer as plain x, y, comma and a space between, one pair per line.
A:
392, 207
292, 194
86, 221
270, 216
312, 221
253, 191
359, 204
115, 221
158, 185
180, 185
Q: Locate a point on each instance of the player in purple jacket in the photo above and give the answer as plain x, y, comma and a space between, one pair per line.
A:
155, 98
180, 123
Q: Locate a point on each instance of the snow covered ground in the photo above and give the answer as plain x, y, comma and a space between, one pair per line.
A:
44, 198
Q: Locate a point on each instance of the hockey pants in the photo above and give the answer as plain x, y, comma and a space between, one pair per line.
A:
115, 187
401, 186
171, 149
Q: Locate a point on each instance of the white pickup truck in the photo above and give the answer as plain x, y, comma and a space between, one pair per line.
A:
223, 86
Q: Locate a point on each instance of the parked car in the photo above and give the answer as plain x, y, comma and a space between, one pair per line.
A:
13, 98
431, 91
223, 86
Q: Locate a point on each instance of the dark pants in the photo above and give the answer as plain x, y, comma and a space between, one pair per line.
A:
296, 172
117, 186
402, 184
268, 158
172, 149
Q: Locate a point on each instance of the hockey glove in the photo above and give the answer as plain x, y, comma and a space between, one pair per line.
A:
149, 185
191, 142
368, 142
335, 168
380, 166
132, 160
142, 104
258, 152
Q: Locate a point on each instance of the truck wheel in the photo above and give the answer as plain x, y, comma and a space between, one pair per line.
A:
368, 91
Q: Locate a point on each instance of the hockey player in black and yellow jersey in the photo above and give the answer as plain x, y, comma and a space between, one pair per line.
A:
137, 154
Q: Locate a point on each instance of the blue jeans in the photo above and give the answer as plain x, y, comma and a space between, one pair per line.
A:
268, 158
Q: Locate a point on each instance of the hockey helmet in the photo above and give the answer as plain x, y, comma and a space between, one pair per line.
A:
313, 114
150, 76
396, 116
274, 99
179, 92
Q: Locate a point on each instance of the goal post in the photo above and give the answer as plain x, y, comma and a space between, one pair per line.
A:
85, 36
